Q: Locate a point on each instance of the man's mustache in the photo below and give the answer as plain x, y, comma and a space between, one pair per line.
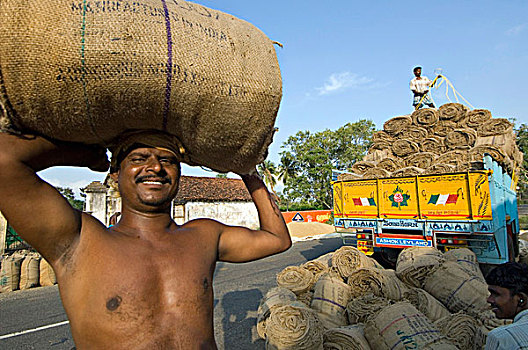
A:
162, 179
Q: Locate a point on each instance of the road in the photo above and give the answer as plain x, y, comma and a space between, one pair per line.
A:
238, 291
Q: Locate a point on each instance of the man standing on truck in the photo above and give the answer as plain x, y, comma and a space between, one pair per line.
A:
508, 287
145, 283
420, 88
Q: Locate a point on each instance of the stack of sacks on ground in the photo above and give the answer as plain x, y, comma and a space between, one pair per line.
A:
346, 300
23, 270
451, 138
523, 251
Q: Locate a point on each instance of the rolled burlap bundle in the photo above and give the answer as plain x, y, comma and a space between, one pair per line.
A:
407, 171
346, 338
425, 117
317, 267
10, 273
506, 142
421, 160
462, 139
457, 289
440, 168
348, 176
489, 320
375, 155
477, 153
390, 164
293, 327
404, 147
455, 158
400, 325
466, 259
477, 117
98, 70
296, 278
306, 298
396, 125
47, 275
326, 259
330, 298
382, 136
495, 126
362, 166
376, 173
426, 303
348, 259
433, 144
415, 264
274, 298
360, 309
382, 283
29, 271
463, 330
415, 133
444, 127
455, 112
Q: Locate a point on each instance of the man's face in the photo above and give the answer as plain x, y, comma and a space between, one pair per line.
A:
503, 304
417, 72
148, 177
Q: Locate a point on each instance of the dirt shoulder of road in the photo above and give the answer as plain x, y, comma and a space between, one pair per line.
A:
300, 230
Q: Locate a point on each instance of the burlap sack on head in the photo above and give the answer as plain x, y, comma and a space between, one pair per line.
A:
396, 125
346, 338
462, 139
362, 166
296, 278
348, 259
433, 144
401, 326
103, 68
330, 298
47, 275
404, 147
477, 117
421, 160
444, 127
10, 273
293, 327
426, 303
495, 126
274, 298
390, 164
425, 117
415, 133
360, 309
382, 283
415, 264
440, 168
407, 171
467, 260
30, 271
463, 330
457, 289
376, 173
455, 112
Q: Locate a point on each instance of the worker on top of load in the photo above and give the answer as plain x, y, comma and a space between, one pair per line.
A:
508, 285
145, 283
420, 88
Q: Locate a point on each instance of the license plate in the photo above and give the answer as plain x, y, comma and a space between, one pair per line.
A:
365, 248
451, 247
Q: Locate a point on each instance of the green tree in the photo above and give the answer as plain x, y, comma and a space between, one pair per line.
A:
268, 171
522, 142
70, 196
221, 176
308, 158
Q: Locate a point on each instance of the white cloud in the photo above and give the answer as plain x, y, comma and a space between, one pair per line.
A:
517, 29
340, 81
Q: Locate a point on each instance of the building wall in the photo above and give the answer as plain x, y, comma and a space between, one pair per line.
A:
229, 213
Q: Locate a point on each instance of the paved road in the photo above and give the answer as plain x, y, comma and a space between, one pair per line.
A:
238, 291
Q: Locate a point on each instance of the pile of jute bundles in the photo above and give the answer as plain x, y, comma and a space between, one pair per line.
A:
87, 71
23, 270
451, 138
346, 300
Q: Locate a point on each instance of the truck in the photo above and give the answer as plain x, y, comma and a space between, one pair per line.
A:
472, 209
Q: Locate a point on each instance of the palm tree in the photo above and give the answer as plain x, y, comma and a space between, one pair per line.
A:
268, 171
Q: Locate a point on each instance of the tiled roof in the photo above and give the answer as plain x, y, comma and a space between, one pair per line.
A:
211, 189
95, 186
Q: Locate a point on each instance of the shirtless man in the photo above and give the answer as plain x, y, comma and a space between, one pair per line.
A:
145, 283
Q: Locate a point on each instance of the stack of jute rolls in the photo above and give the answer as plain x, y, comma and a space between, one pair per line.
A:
89, 71
346, 300
449, 139
23, 270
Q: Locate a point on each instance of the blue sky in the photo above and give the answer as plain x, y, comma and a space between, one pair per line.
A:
347, 60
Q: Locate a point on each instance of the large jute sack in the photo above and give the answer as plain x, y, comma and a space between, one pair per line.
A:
415, 264
457, 289
47, 275
383, 283
293, 327
425, 117
296, 278
87, 72
463, 330
330, 299
396, 125
30, 271
274, 298
360, 309
346, 338
401, 326
427, 304
347, 259
455, 112
10, 273
466, 259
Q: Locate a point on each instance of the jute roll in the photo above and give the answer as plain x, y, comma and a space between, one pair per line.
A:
306, 298
375, 155
425, 117
362, 166
426, 303
455, 112
292, 327
477, 117
382, 283
330, 299
274, 298
396, 125
47, 275
10, 273
466, 259
382, 136
415, 133
461, 139
489, 320
317, 267
455, 157
506, 142
402, 326
433, 144
457, 289
421, 160
478, 152
348, 176
390, 164
404, 147
348, 259
296, 278
407, 171
462, 330
415, 264
346, 338
326, 259
444, 127
29, 271
376, 173
495, 126
360, 309
87, 73
440, 168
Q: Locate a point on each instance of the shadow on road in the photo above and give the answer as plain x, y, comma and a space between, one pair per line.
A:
322, 247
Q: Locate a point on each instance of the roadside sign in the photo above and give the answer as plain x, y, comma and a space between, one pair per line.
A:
298, 217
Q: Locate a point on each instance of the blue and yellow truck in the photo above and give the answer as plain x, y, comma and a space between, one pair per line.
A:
474, 209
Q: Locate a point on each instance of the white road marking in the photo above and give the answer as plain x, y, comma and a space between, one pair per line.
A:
33, 330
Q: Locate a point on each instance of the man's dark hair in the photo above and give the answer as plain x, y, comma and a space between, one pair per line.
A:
416, 68
510, 275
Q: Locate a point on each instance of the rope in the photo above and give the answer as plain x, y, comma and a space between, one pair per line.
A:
449, 85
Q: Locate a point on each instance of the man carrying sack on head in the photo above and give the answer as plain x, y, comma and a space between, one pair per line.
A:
145, 283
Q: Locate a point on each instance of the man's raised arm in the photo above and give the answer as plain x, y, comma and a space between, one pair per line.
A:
36, 210
239, 244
